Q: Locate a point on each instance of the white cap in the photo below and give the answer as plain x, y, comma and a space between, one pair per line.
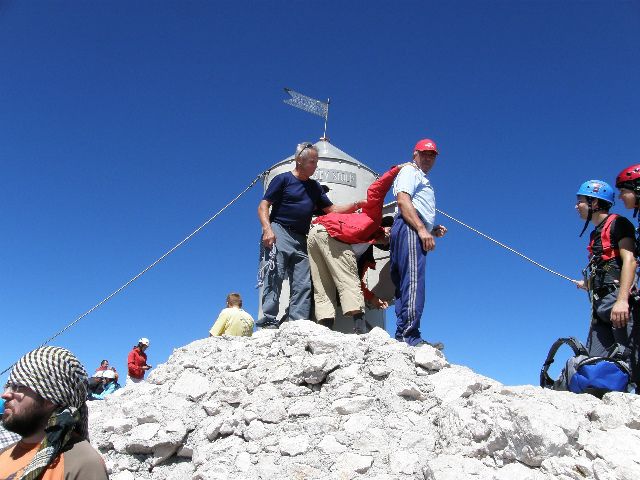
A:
109, 374
144, 341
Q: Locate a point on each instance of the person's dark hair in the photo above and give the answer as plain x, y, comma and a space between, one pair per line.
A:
604, 205
103, 362
387, 221
234, 299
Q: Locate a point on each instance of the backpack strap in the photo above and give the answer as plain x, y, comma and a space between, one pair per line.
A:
619, 352
578, 349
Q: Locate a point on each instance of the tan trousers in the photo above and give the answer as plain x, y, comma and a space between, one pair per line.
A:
333, 267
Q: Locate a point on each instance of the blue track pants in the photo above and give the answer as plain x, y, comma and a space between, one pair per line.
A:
408, 264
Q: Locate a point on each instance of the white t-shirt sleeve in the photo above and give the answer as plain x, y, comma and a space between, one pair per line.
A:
405, 181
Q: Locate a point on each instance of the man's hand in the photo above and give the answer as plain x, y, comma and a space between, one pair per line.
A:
375, 302
580, 284
427, 240
268, 238
439, 231
620, 313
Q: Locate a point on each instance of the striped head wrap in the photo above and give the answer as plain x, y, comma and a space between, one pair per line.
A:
56, 375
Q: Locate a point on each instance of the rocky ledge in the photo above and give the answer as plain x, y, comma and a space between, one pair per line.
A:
303, 402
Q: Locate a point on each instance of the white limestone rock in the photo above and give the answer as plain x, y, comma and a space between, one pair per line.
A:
352, 462
429, 358
192, 385
292, 446
303, 402
348, 405
330, 445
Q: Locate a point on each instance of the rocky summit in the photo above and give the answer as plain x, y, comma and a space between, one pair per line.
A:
303, 402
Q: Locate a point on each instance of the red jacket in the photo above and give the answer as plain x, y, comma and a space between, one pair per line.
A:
361, 227
136, 360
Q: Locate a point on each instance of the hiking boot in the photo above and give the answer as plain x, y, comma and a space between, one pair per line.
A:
326, 322
269, 326
436, 345
359, 325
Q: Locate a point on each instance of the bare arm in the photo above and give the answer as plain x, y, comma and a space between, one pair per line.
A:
346, 208
410, 216
620, 311
268, 237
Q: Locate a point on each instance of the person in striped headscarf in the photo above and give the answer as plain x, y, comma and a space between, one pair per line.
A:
45, 403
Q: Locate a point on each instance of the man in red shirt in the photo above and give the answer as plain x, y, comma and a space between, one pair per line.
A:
104, 365
137, 362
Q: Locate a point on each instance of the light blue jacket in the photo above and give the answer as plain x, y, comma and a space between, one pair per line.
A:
109, 388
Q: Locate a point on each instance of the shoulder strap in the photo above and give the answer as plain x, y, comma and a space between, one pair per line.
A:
576, 346
608, 252
605, 235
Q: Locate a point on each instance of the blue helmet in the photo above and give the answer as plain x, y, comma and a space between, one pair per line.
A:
597, 189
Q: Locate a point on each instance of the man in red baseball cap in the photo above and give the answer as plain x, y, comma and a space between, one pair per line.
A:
412, 236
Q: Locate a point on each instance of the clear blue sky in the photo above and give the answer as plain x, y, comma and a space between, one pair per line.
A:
124, 125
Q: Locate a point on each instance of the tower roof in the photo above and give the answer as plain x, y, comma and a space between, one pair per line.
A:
328, 151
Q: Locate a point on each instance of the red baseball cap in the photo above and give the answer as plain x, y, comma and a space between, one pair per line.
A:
426, 144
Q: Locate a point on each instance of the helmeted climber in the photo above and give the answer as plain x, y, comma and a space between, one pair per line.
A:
628, 182
609, 275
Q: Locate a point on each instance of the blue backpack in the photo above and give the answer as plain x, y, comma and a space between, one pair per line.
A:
586, 374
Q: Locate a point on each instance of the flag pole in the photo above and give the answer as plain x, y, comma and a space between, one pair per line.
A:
326, 118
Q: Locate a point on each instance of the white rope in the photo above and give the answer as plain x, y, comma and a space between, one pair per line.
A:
165, 255
505, 246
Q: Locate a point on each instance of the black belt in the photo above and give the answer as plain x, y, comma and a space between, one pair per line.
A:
290, 229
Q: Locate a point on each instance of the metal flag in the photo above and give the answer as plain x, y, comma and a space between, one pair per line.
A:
308, 104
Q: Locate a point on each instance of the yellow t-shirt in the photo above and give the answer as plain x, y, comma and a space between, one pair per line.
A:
233, 321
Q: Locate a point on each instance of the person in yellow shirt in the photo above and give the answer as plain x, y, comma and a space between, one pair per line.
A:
233, 320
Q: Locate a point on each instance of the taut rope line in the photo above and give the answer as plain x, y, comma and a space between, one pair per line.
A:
165, 255
505, 246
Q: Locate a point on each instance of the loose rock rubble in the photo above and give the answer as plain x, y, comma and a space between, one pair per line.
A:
303, 402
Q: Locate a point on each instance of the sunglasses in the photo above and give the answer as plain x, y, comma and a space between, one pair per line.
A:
304, 147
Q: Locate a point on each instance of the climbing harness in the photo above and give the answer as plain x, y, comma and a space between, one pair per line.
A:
506, 247
269, 264
165, 255
608, 252
604, 264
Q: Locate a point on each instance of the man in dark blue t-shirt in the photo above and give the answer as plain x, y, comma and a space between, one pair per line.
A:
293, 197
